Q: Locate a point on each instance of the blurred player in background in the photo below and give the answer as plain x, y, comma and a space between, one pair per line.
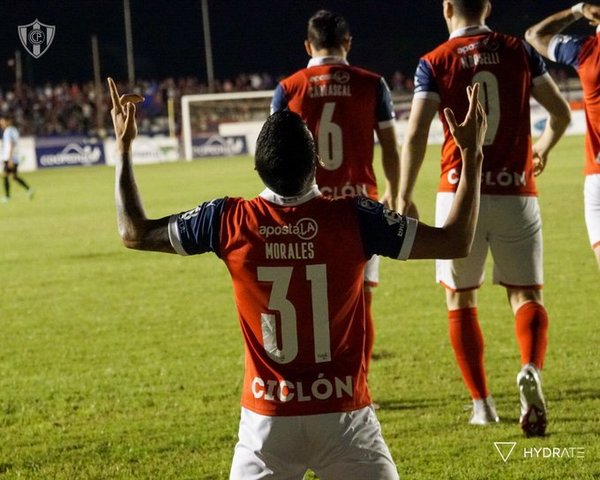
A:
342, 106
10, 158
582, 53
299, 296
509, 71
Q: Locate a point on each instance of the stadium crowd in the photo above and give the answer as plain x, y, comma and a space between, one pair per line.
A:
71, 108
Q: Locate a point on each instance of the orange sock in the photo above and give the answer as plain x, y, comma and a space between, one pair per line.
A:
467, 342
531, 329
369, 327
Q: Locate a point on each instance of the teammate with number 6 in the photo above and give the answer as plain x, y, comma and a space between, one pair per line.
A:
344, 106
299, 296
509, 72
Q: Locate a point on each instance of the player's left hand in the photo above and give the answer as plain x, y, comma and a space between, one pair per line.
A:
123, 115
470, 134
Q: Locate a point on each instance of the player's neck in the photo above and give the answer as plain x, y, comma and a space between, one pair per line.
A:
458, 23
329, 52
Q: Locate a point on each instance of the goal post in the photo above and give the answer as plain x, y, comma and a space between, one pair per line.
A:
223, 123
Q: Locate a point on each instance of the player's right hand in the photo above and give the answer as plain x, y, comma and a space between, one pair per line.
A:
592, 13
123, 115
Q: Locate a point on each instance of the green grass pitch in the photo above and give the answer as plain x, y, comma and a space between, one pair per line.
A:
117, 364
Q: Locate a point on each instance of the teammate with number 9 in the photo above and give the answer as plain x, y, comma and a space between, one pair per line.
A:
509, 72
343, 105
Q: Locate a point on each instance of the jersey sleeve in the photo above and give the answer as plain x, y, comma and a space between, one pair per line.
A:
197, 231
279, 101
565, 49
385, 113
425, 84
384, 232
539, 71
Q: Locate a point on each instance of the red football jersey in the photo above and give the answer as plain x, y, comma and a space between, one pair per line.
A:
299, 260
299, 295
583, 53
342, 105
506, 68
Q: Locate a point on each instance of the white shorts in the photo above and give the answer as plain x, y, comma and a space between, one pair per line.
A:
335, 446
511, 227
371, 275
591, 196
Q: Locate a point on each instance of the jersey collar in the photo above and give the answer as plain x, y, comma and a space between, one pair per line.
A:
470, 30
316, 61
270, 196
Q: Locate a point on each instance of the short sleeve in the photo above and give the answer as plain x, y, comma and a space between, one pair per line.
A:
565, 49
384, 232
425, 84
279, 101
197, 231
385, 106
536, 62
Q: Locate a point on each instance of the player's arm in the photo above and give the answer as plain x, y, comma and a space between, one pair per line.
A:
549, 96
397, 236
541, 34
391, 165
454, 239
136, 230
386, 134
413, 150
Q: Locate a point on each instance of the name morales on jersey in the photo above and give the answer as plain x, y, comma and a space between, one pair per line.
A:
329, 90
289, 251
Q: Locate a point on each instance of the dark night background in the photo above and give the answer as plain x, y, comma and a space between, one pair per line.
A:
247, 36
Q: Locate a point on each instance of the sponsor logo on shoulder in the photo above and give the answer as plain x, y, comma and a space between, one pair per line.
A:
392, 217
367, 204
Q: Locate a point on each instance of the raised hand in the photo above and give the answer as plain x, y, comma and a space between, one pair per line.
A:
123, 115
470, 133
592, 13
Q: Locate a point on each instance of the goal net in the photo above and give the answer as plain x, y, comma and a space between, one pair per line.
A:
223, 124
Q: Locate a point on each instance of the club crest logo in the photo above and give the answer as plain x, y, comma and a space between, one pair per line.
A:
36, 37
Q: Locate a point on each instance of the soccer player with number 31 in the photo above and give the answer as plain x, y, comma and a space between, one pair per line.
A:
296, 260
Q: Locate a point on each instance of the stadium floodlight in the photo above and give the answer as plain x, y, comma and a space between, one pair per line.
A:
226, 116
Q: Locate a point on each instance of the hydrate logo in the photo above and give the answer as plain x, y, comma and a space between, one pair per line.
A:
505, 449
36, 37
